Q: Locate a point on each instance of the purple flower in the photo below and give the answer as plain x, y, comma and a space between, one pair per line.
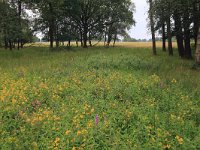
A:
97, 120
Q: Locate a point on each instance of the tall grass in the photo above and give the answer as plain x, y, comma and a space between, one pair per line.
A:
52, 99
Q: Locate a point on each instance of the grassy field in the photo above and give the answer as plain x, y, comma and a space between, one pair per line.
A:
119, 44
98, 98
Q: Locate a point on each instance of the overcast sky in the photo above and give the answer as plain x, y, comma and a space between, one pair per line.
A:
140, 30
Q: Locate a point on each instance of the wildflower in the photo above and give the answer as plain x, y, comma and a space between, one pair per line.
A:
14, 101
73, 148
167, 146
81, 116
97, 120
73, 140
78, 133
57, 139
89, 124
67, 132
174, 81
92, 110
179, 139
35, 146
56, 142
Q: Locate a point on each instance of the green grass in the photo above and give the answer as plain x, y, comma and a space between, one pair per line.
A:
50, 100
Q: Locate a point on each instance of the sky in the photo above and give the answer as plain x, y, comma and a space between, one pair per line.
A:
140, 30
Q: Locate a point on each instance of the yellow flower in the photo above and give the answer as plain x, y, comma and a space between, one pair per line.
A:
78, 133
73, 148
179, 139
174, 81
92, 110
67, 132
81, 116
35, 146
73, 140
14, 101
90, 124
167, 146
57, 140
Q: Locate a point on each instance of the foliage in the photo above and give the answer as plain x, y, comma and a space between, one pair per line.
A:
182, 20
83, 20
14, 28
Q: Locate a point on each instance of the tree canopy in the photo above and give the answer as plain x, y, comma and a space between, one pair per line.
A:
66, 20
179, 18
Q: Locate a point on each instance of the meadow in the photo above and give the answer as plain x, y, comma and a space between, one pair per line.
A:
98, 98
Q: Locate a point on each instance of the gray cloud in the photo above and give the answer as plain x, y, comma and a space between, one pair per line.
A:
140, 31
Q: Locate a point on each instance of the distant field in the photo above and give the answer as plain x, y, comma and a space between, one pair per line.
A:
124, 44
142, 44
98, 98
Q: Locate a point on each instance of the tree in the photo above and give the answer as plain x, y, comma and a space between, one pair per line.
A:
198, 49
61, 20
168, 21
160, 21
179, 28
13, 27
119, 18
185, 23
49, 13
151, 17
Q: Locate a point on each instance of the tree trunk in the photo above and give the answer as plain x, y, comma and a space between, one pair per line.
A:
5, 43
188, 51
152, 27
51, 26
180, 45
105, 39
169, 36
19, 22
57, 42
109, 36
115, 38
186, 24
14, 45
179, 34
163, 38
196, 19
90, 40
198, 49
51, 36
69, 42
90, 43
109, 39
57, 38
10, 44
22, 44
81, 38
85, 37
18, 44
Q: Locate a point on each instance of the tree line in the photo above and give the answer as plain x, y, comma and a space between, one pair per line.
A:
175, 18
14, 26
65, 20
